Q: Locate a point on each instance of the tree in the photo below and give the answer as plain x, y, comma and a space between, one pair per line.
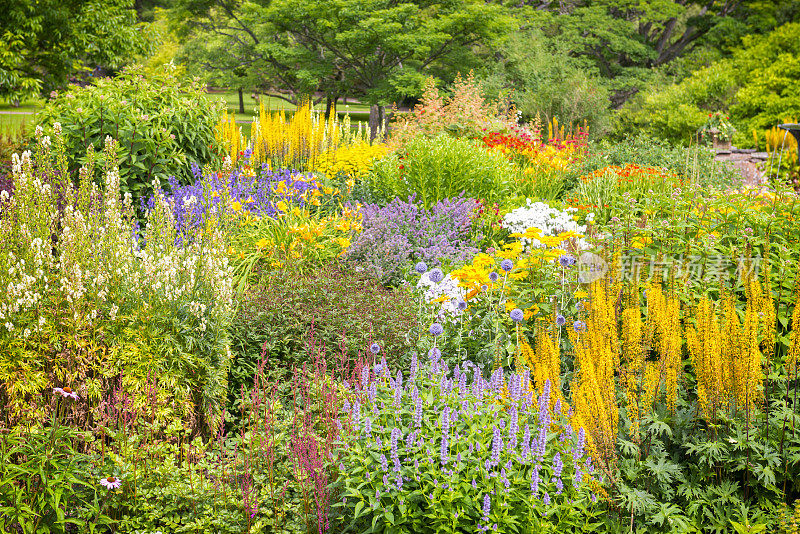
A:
377, 50
624, 40
43, 42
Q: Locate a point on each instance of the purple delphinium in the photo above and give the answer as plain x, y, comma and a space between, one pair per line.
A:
191, 204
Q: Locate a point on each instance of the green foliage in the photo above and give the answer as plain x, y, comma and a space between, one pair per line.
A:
442, 167
755, 85
162, 124
542, 79
378, 51
694, 164
43, 42
43, 483
95, 310
338, 309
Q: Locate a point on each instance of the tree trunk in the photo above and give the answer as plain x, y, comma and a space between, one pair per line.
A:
377, 119
330, 105
241, 101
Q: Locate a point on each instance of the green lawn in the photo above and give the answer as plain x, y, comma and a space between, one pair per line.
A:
13, 124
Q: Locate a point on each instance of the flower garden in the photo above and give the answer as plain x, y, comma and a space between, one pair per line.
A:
465, 324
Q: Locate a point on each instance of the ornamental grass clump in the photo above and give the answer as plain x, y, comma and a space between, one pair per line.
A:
441, 450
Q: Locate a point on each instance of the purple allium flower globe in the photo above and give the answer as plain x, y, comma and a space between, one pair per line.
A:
436, 275
566, 260
421, 267
516, 315
374, 348
506, 265
436, 329
461, 305
561, 320
579, 326
434, 353
493, 276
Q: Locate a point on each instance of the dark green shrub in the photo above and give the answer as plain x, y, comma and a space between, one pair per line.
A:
162, 123
342, 310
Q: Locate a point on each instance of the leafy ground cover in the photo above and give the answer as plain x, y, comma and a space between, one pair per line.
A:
315, 331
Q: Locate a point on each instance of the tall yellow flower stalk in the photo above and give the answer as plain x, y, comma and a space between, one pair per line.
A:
545, 364
597, 357
726, 356
230, 136
663, 335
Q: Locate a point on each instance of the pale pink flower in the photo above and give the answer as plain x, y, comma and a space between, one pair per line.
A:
66, 392
110, 482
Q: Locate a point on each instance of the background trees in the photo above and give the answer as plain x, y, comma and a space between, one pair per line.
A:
43, 42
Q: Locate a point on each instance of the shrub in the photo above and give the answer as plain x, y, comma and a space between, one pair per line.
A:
88, 303
692, 165
400, 233
435, 451
434, 169
162, 125
343, 311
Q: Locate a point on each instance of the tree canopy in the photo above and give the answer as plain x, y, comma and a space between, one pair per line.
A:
43, 42
376, 50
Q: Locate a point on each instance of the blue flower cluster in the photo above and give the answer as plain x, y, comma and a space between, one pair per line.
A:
453, 437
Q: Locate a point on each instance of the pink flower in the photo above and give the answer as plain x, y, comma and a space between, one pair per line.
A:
66, 392
110, 482
79, 110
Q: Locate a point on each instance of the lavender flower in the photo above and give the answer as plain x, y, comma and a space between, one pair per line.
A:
535, 480
487, 506
497, 445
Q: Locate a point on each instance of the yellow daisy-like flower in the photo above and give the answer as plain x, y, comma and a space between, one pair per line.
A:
530, 312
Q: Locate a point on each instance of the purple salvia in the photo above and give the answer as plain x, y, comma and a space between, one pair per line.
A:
487, 506
513, 429
444, 452
535, 480
497, 445
526, 442
356, 415
364, 376
384, 463
558, 465
414, 367
577, 452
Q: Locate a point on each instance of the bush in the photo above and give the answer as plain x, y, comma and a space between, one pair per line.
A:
753, 84
396, 235
343, 311
695, 164
433, 169
162, 125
